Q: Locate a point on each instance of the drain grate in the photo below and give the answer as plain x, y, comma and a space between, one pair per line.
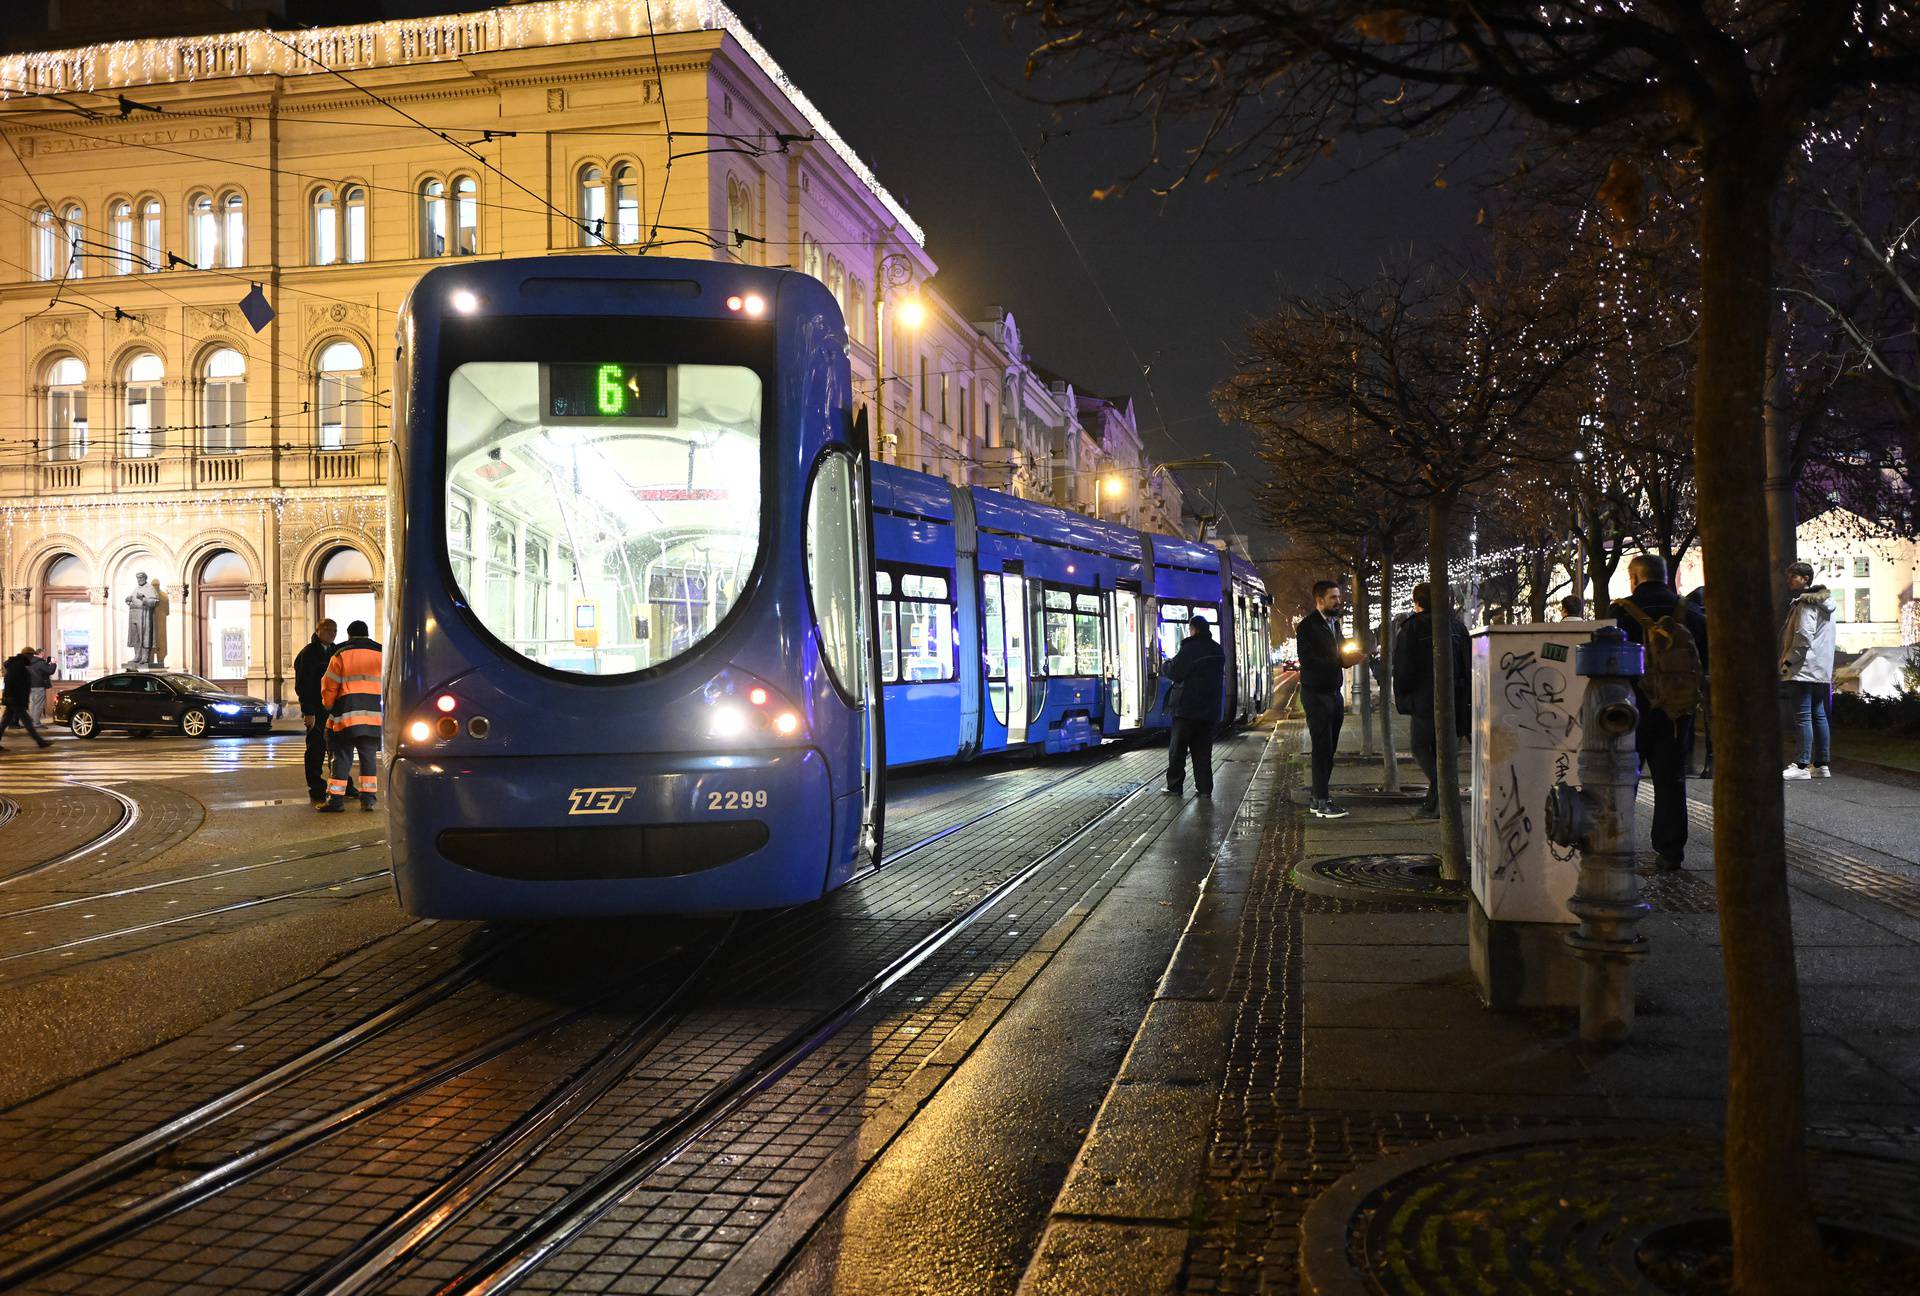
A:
1380, 877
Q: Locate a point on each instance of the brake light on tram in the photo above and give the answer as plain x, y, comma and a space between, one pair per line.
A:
757, 696
445, 703
786, 724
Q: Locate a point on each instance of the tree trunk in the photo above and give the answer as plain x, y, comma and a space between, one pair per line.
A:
1390, 756
1363, 689
1453, 849
1540, 573
1776, 1245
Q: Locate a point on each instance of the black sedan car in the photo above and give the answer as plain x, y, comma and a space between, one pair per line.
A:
151, 700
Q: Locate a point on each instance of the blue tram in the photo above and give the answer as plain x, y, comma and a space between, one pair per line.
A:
659, 624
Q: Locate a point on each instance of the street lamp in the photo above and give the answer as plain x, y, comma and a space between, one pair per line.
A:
895, 270
1112, 487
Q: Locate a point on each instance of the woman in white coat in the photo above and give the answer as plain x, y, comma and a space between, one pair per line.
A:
1806, 662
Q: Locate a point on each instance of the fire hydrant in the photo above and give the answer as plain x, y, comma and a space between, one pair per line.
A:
1596, 818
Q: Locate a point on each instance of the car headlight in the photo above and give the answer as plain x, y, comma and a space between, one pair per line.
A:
228, 708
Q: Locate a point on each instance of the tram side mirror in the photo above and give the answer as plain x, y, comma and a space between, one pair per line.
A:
858, 433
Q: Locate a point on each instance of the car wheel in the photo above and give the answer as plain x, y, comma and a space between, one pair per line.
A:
193, 723
84, 725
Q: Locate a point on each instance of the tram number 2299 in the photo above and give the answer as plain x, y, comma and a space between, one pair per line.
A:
750, 800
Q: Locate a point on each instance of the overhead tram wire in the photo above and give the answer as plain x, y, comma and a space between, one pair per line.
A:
1146, 375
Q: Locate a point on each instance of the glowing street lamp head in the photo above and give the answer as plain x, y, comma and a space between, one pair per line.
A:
912, 313
1114, 487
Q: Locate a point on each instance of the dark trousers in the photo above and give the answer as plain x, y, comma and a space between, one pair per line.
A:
17, 714
344, 747
1326, 712
316, 758
1426, 754
1664, 745
1194, 738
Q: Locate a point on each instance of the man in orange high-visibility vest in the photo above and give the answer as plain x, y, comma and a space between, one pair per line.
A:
350, 700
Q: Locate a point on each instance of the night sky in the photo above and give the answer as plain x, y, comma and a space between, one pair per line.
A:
1183, 274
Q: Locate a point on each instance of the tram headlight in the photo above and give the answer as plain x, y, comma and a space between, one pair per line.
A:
419, 731
786, 724
728, 722
755, 305
464, 300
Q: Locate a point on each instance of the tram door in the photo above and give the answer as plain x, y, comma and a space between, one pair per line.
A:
1126, 607
1013, 589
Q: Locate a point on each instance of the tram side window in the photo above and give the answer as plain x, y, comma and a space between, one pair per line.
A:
833, 576
1071, 631
1056, 631
993, 616
1087, 638
889, 611
924, 634
1173, 623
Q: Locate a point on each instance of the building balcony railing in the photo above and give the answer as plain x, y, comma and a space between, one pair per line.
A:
347, 466
180, 468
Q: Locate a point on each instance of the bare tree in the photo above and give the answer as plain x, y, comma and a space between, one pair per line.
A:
1424, 388
1272, 84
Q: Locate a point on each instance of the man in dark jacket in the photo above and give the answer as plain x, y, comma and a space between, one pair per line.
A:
1324, 659
42, 670
309, 665
16, 692
1413, 690
1665, 742
1198, 670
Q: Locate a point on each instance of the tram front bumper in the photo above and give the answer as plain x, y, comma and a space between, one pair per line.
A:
552, 836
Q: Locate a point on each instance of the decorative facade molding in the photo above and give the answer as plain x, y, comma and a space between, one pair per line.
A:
205, 320
20, 594
50, 329
324, 316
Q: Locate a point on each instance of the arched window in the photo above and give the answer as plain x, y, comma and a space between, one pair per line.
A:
233, 234
75, 226
466, 216
69, 617
344, 589
151, 237
226, 615
203, 232
145, 412
120, 227
593, 206
740, 214
223, 421
66, 408
810, 262
325, 249
46, 245
626, 203
340, 395
356, 224
433, 219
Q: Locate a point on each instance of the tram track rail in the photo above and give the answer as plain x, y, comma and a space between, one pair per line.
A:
408, 1233
129, 816
523, 1251
103, 897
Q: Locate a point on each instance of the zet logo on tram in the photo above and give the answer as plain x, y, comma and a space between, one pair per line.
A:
598, 800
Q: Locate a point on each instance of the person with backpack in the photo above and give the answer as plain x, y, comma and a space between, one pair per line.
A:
1413, 689
1667, 692
1198, 674
1806, 666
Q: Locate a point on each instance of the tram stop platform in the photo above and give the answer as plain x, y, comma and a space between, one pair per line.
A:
1318, 1101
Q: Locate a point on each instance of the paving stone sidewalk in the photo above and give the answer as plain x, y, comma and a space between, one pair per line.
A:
1320, 1034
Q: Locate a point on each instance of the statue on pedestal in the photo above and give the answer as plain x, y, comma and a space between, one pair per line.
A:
142, 615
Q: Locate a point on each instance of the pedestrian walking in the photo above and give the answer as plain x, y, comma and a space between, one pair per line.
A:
1573, 608
1703, 714
350, 695
40, 669
1198, 673
309, 668
1325, 655
16, 695
1414, 695
1806, 665
1668, 690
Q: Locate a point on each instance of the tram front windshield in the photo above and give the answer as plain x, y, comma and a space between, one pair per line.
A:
602, 517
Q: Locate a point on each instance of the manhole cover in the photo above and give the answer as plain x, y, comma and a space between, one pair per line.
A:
1380, 877
1573, 1211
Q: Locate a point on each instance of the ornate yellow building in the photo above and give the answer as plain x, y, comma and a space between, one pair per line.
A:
155, 194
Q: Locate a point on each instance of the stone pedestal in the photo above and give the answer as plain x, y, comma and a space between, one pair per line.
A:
1521, 964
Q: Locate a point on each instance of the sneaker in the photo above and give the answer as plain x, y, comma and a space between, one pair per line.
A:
1796, 772
1822, 771
1328, 810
